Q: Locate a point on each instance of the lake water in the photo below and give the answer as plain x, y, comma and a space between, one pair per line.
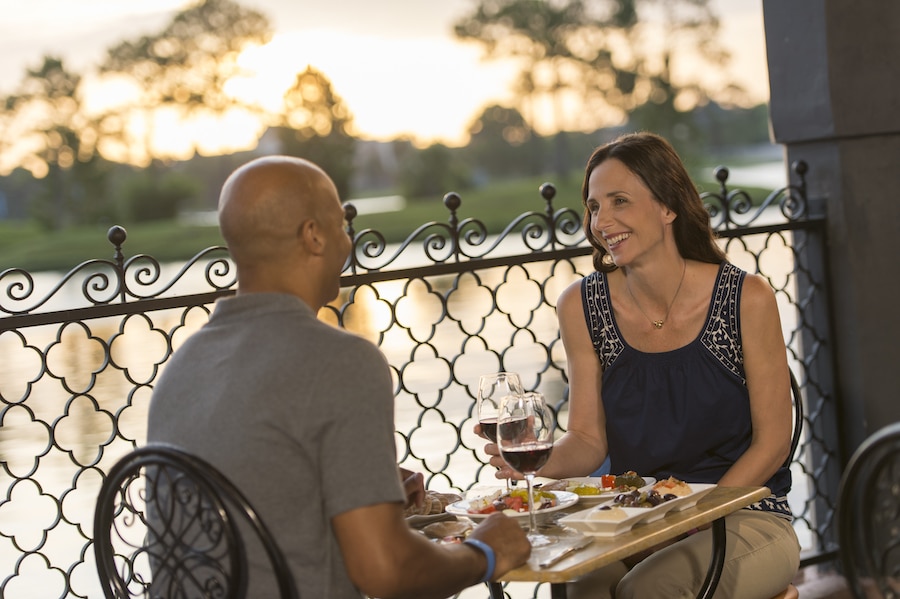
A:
79, 393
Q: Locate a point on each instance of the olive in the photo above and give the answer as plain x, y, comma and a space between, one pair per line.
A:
669, 497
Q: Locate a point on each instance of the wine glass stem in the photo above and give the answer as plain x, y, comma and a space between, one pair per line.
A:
532, 528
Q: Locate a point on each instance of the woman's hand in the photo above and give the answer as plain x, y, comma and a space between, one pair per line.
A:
493, 450
504, 471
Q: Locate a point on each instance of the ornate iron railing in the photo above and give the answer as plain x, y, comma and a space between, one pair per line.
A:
448, 303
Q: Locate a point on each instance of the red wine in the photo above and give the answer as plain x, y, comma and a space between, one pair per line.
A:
511, 430
527, 458
489, 428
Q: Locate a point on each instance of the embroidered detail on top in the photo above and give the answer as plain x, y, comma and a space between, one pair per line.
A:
722, 334
595, 299
774, 505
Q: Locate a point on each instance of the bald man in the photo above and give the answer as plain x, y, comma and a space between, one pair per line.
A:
299, 414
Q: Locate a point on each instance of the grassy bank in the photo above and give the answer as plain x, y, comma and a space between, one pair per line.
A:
26, 246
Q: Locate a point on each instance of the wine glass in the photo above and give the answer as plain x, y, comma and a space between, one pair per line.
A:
525, 437
491, 389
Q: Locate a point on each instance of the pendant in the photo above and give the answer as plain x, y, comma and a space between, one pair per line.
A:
658, 324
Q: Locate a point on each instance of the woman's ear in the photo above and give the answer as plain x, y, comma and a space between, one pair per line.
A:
669, 215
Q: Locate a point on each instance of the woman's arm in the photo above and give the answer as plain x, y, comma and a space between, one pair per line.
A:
768, 381
582, 449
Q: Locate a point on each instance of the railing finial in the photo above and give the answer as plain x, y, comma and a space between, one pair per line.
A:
116, 236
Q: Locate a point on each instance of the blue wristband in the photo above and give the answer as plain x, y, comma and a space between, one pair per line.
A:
488, 553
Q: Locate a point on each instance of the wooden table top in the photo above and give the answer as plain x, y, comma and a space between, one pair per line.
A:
719, 502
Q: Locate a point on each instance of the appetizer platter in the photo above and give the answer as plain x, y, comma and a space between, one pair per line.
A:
626, 510
596, 489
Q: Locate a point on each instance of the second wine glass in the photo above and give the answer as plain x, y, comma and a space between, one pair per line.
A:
491, 389
525, 437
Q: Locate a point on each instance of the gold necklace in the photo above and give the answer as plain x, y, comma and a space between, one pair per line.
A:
659, 323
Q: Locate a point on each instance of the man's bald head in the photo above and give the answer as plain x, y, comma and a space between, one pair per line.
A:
264, 202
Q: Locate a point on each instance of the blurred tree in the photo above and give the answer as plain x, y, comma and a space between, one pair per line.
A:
593, 62
317, 125
45, 126
432, 172
502, 144
159, 199
183, 69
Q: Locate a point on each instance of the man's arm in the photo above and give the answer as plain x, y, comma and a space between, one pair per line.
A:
386, 559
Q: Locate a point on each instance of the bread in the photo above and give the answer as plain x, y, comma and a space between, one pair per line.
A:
435, 503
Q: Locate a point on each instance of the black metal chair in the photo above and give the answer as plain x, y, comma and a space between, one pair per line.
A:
169, 525
868, 513
798, 420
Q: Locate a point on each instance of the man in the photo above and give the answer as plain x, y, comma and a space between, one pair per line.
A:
299, 414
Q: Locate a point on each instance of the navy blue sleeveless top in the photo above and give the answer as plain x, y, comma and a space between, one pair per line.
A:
682, 413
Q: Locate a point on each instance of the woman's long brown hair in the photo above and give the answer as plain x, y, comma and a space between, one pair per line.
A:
655, 161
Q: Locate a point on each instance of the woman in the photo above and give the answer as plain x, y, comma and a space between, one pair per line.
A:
677, 367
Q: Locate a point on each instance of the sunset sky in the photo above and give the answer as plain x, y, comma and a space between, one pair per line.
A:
394, 62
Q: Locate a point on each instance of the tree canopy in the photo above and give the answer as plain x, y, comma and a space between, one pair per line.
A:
317, 125
594, 62
183, 68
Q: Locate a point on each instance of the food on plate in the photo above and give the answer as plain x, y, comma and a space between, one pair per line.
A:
673, 486
606, 483
515, 500
435, 503
608, 513
628, 480
661, 492
448, 530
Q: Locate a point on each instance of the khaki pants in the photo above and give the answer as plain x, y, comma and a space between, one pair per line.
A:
762, 556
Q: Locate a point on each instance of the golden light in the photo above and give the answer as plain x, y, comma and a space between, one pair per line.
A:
428, 89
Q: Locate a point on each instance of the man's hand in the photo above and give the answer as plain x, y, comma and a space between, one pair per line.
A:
507, 538
413, 486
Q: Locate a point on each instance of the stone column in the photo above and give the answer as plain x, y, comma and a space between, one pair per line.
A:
834, 73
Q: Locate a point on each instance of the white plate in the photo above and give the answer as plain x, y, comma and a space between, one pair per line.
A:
584, 523
603, 495
564, 499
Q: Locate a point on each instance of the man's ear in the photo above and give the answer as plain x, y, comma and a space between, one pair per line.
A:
310, 235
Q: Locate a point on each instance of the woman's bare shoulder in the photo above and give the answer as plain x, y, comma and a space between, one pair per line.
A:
571, 293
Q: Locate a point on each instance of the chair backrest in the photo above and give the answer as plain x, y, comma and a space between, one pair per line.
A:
166, 524
797, 401
868, 512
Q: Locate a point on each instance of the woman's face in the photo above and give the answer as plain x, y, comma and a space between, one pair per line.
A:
625, 217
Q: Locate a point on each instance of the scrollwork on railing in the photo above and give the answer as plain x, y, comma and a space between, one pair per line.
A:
19, 287
142, 272
104, 282
724, 206
141, 277
468, 238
